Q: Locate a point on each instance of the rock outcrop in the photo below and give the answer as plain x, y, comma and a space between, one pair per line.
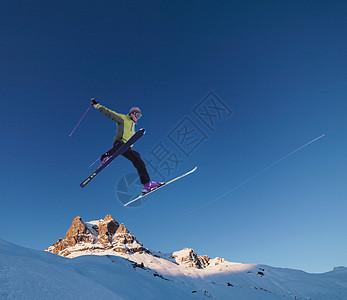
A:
96, 237
189, 258
107, 229
124, 241
107, 236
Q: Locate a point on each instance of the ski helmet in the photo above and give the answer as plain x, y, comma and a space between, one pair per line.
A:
135, 108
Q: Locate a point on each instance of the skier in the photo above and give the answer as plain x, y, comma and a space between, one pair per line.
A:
125, 130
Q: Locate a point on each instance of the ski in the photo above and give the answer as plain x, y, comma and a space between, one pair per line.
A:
165, 184
138, 134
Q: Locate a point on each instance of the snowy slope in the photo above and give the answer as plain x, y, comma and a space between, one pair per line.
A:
31, 274
228, 280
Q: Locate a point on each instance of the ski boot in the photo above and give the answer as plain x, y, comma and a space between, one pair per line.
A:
150, 186
104, 158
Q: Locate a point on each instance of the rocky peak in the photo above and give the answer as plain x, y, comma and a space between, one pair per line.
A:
124, 241
107, 228
216, 261
122, 229
96, 237
78, 232
188, 257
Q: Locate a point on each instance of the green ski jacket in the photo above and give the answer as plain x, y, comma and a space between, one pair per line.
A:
125, 124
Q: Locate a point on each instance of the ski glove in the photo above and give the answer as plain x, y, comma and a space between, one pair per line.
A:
94, 102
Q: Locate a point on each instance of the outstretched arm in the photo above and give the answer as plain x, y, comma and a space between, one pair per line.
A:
107, 112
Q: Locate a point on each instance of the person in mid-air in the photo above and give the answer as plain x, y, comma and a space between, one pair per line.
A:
125, 130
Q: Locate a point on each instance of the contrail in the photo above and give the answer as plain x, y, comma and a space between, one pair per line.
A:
251, 178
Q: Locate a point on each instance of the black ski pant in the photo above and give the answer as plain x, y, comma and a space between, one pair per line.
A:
134, 157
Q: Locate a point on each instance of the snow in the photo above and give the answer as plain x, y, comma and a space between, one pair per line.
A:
93, 223
33, 274
182, 253
29, 274
90, 225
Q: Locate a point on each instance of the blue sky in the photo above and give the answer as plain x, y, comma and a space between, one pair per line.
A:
281, 67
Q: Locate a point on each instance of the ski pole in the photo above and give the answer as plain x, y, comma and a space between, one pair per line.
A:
94, 162
99, 158
80, 120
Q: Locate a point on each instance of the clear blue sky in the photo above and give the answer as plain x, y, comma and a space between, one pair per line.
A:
280, 66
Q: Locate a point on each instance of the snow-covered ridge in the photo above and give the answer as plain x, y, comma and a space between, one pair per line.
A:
188, 257
31, 274
107, 237
216, 278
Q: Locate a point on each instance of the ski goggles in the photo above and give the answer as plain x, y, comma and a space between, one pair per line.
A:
137, 115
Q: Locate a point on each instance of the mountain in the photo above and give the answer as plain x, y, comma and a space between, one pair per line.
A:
214, 278
189, 258
103, 260
33, 274
95, 237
